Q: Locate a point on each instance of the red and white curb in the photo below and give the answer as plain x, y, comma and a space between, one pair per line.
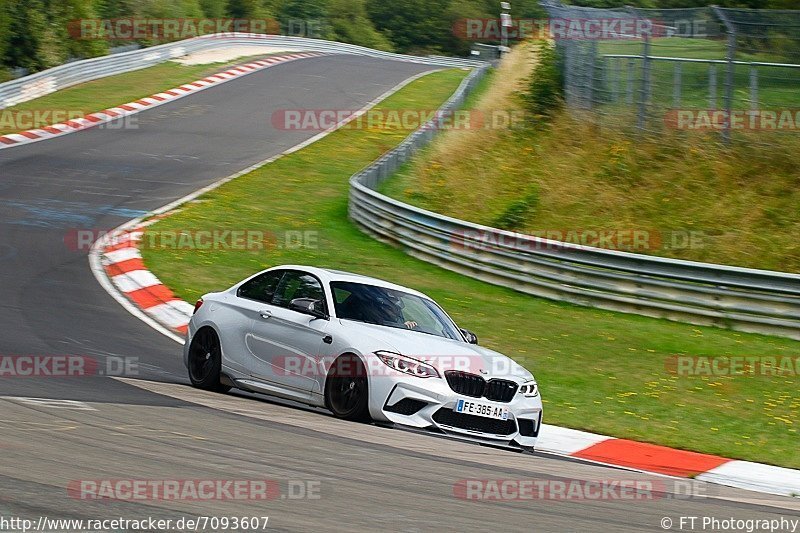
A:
117, 264
651, 458
125, 110
123, 264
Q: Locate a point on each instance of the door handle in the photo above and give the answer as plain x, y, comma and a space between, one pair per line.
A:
265, 314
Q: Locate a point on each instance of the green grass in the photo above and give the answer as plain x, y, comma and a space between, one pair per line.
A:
741, 203
598, 370
777, 85
115, 90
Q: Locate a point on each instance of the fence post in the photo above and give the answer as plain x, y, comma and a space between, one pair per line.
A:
592, 72
712, 86
753, 87
569, 73
644, 94
629, 88
676, 85
729, 75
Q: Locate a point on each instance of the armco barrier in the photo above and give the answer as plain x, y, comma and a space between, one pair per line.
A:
744, 299
63, 76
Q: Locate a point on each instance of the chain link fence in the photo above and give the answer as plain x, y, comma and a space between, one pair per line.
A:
706, 69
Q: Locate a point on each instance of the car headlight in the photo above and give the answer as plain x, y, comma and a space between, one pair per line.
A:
407, 365
529, 389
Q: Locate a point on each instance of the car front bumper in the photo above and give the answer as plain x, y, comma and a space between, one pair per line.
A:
429, 403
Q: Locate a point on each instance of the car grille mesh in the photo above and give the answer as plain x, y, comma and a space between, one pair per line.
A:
448, 417
406, 406
466, 384
498, 390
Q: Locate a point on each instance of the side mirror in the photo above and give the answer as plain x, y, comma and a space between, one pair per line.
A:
469, 336
308, 306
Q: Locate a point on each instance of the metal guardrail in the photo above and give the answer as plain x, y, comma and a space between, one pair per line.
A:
743, 299
738, 298
67, 75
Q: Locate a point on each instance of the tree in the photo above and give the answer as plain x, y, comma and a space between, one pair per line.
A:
214, 9
246, 9
5, 19
27, 27
65, 16
304, 9
110, 9
412, 25
351, 24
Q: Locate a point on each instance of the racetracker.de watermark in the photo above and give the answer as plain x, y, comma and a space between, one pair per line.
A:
766, 120
577, 489
583, 29
733, 365
32, 119
194, 489
246, 240
176, 29
57, 366
151, 524
395, 119
629, 240
317, 367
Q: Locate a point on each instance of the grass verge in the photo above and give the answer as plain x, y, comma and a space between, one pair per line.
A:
112, 91
694, 198
599, 371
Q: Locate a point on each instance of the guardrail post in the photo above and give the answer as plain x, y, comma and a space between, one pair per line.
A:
676, 85
753, 87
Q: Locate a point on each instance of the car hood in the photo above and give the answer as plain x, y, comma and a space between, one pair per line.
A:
444, 354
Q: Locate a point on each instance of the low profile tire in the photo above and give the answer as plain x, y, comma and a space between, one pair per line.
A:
205, 361
347, 389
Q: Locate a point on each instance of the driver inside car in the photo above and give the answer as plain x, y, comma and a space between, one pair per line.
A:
391, 313
377, 308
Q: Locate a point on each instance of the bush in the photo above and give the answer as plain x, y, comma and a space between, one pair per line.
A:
545, 88
518, 212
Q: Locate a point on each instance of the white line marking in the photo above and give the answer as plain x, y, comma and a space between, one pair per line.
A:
96, 252
51, 402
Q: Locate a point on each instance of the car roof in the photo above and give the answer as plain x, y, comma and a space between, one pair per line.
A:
331, 275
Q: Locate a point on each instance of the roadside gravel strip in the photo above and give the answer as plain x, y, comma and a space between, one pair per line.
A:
118, 266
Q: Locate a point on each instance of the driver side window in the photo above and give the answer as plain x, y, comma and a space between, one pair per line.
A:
298, 285
261, 288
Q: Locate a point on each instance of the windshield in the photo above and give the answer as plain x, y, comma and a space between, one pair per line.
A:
391, 308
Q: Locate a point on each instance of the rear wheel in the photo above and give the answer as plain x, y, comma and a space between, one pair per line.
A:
347, 389
205, 361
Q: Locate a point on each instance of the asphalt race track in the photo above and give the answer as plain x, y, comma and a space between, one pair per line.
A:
362, 477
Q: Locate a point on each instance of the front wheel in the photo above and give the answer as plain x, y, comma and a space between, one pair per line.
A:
205, 361
347, 389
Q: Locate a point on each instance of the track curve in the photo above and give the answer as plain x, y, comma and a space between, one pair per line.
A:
51, 304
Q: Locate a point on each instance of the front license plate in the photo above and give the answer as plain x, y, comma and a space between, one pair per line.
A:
487, 410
